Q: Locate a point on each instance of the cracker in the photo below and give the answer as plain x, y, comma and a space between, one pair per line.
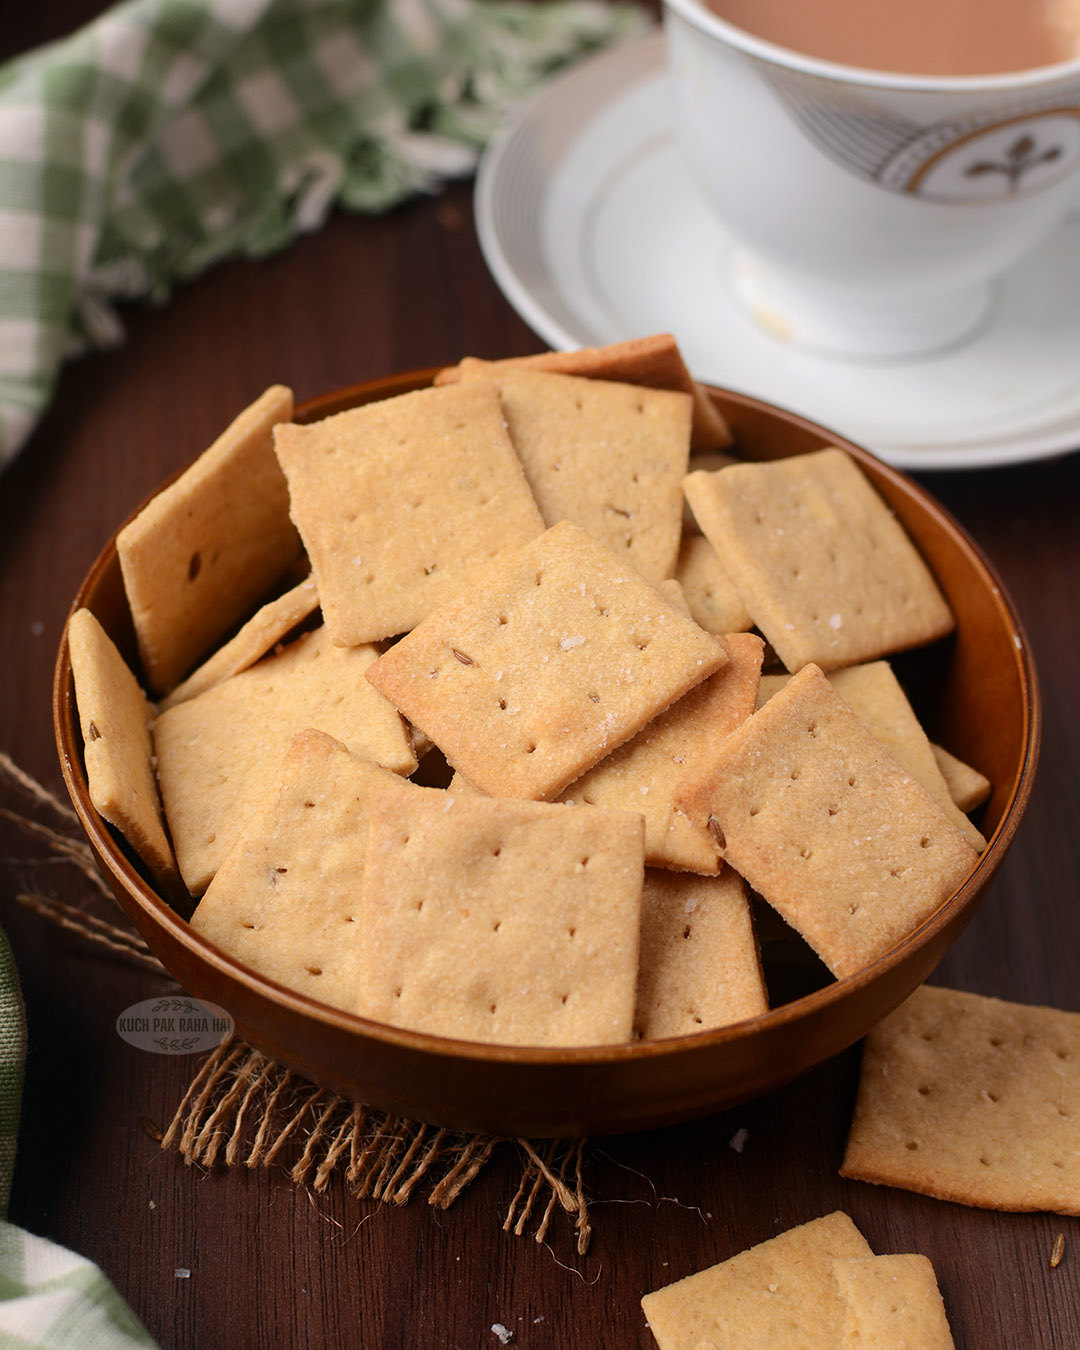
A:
610, 457
207, 548
647, 773
286, 899
115, 716
267, 626
779, 1295
876, 697
826, 826
557, 658
654, 362
699, 965
971, 1099
403, 502
824, 568
220, 752
713, 600
891, 1303
502, 921
967, 786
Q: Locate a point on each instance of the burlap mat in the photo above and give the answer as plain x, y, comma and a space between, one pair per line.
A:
242, 1109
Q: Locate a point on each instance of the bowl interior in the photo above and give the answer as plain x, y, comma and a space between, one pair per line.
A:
976, 694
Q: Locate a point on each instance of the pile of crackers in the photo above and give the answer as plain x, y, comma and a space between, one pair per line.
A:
458, 719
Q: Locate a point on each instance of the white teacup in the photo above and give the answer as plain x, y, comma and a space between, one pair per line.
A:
872, 211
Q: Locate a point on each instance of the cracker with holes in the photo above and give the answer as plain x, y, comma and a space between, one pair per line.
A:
207, 549
269, 625
824, 568
115, 716
501, 921
560, 656
874, 694
219, 753
780, 1294
713, 600
807, 805
699, 964
653, 362
891, 1303
610, 457
647, 773
402, 504
286, 900
971, 1099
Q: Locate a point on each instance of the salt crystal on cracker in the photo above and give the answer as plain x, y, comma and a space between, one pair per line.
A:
499, 681
806, 804
971, 1099
824, 568
210, 545
501, 921
402, 503
779, 1295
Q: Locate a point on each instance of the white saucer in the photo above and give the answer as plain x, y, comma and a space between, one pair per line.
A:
595, 233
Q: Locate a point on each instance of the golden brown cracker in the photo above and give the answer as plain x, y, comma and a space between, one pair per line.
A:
891, 1303
713, 600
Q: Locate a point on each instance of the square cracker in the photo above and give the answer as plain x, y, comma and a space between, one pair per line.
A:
219, 753
699, 965
505, 922
779, 1295
971, 1099
654, 362
560, 655
274, 621
647, 773
891, 1303
401, 504
878, 700
827, 827
610, 457
967, 786
824, 568
286, 900
115, 716
206, 549
713, 600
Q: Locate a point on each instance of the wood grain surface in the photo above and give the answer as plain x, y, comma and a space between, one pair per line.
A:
271, 1264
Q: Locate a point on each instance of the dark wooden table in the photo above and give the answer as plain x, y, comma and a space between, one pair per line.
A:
272, 1265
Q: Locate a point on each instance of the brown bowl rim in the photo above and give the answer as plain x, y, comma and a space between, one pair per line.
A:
156, 909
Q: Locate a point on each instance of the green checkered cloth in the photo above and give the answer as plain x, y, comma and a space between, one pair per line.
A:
169, 134
50, 1299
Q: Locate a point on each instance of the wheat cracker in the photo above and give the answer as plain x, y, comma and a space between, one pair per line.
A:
713, 601
967, 786
891, 1303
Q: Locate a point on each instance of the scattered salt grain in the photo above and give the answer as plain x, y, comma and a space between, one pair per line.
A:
738, 1140
504, 1334
182, 1273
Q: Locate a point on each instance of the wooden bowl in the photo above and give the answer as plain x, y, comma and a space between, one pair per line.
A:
977, 694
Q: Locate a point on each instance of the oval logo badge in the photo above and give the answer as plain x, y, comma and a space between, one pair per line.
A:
174, 1025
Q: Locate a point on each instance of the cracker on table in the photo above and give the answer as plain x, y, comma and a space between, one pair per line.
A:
779, 1295
560, 655
878, 700
971, 1099
274, 621
967, 786
403, 502
824, 568
713, 600
219, 753
891, 1303
205, 550
648, 772
115, 716
286, 900
610, 457
699, 966
653, 362
807, 805
502, 921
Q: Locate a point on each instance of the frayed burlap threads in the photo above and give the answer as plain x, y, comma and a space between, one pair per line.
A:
243, 1109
